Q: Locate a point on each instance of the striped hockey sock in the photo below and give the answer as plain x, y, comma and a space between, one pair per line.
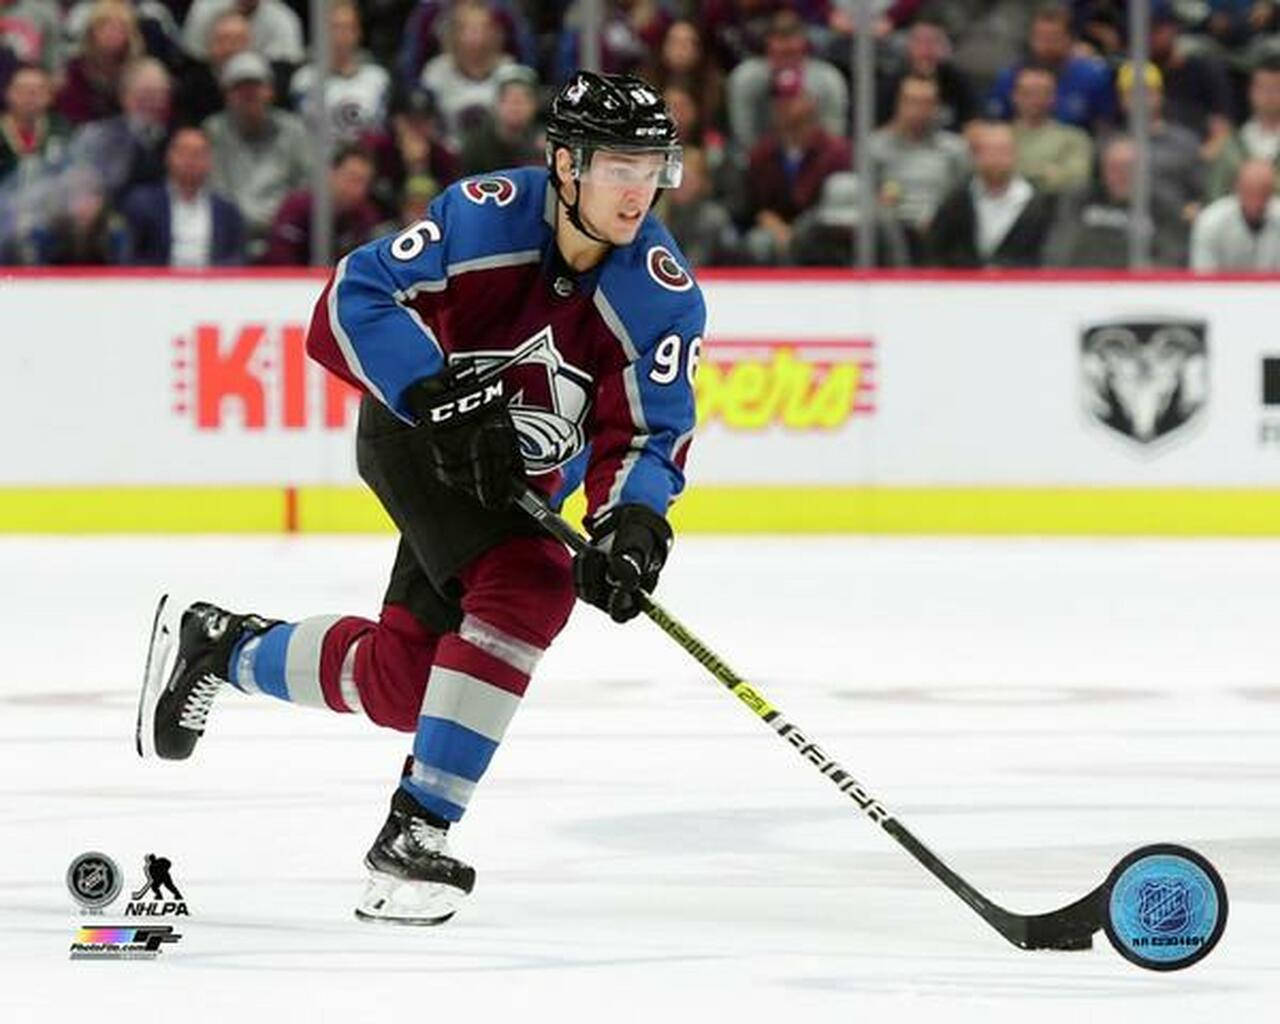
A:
293, 662
480, 674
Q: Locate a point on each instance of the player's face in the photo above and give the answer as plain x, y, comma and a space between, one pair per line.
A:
617, 191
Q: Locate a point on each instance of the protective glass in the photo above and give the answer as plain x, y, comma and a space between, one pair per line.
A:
618, 168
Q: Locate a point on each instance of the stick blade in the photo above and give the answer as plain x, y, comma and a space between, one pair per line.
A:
1069, 928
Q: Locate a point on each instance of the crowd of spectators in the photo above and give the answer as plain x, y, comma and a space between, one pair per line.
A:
180, 132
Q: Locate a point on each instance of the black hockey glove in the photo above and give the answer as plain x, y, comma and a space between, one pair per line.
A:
628, 549
471, 441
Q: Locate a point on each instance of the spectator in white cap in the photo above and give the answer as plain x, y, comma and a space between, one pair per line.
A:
260, 153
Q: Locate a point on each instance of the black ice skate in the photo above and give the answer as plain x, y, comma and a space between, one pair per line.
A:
172, 715
412, 877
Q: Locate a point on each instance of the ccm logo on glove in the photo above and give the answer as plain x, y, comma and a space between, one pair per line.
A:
471, 442
465, 404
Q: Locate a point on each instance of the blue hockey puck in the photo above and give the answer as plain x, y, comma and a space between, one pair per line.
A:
1166, 907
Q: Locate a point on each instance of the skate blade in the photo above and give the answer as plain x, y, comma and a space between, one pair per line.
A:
395, 901
153, 680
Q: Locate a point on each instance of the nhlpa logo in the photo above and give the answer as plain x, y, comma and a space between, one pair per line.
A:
1145, 379
157, 896
549, 397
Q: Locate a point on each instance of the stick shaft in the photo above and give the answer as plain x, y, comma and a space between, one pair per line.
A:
766, 712
1068, 928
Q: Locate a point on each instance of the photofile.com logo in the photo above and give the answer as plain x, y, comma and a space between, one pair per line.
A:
142, 943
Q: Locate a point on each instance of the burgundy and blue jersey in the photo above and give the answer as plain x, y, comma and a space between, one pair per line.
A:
601, 363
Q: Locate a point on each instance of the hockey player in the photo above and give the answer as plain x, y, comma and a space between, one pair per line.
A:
538, 328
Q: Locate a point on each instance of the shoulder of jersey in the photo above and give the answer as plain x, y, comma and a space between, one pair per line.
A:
491, 214
649, 285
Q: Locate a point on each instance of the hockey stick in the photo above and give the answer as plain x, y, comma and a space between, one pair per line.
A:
1070, 927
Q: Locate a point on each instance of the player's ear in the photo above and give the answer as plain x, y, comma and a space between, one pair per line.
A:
564, 172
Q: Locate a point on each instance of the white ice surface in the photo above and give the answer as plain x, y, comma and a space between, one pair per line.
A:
646, 849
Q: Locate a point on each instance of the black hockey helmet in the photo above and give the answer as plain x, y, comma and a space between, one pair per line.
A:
610, 112
615, 112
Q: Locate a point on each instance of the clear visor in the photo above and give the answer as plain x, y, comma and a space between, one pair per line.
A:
619, 168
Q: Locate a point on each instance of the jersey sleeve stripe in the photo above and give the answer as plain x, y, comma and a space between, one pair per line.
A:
631, 386
615, 324
502, 259
340, 335
639, 441
426, 329
680, 449
430, 284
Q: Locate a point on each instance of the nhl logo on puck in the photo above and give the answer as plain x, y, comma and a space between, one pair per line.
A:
664, 269
93, 880
1166, 907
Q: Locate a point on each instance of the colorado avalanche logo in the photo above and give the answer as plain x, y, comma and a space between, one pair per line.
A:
664, 269
348, 117
549, 398
481, 190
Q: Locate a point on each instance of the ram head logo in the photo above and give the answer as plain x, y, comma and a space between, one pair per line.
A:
1145, 379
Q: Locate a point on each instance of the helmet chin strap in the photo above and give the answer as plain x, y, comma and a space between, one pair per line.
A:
575, 215
571, 209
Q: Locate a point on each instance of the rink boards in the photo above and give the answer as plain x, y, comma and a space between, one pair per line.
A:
827, 402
